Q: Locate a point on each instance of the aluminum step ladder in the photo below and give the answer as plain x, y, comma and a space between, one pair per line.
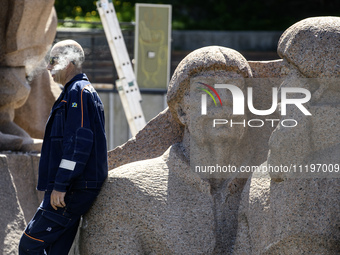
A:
126, 85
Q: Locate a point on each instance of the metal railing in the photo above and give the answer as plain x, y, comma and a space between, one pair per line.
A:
123, 25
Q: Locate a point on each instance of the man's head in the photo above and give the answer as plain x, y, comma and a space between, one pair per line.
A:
66, 59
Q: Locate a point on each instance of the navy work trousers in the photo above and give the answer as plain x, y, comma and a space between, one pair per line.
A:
52, 231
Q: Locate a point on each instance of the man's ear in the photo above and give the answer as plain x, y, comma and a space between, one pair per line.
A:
69, 65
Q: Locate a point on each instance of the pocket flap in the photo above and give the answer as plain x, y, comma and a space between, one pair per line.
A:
57, 218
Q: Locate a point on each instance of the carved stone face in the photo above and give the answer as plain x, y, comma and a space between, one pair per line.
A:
201, 127
313, 133
209, 144
289, 144
310, 49
206, 62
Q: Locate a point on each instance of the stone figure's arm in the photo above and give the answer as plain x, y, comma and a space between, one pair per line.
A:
151, 142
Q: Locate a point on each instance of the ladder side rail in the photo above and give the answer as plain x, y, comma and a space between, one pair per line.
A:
127, 86
109, 28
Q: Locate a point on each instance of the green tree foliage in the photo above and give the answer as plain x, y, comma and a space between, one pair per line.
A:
213, 14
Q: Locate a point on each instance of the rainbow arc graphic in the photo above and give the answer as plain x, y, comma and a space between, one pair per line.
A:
209, 93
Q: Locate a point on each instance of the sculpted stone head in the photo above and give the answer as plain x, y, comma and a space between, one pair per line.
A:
209, 65
312, 45
304, 204
310, 49
203, 62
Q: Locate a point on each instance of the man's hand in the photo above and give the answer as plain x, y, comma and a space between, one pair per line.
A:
57, 199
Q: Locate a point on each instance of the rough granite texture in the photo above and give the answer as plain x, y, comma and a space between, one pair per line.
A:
27, 29
156, 205
286, 213
267, 69
12, 219
159, 202
24, 170
162, 131
151, 142
269, 213
35, 124
161, 207
296, 216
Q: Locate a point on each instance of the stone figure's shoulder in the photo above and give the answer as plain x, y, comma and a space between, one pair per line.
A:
135, 180
140, 169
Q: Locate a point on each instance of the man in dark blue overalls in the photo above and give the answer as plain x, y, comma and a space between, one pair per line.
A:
73, 163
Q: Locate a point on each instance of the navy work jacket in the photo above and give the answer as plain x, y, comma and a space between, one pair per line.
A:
74, 153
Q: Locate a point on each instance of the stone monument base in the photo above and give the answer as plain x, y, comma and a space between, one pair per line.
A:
19, 197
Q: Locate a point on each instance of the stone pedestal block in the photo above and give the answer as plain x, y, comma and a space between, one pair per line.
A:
12, 221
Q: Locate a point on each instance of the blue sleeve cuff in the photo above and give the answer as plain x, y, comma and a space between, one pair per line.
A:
61, 187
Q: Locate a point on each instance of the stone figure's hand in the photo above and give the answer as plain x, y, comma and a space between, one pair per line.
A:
57, 199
